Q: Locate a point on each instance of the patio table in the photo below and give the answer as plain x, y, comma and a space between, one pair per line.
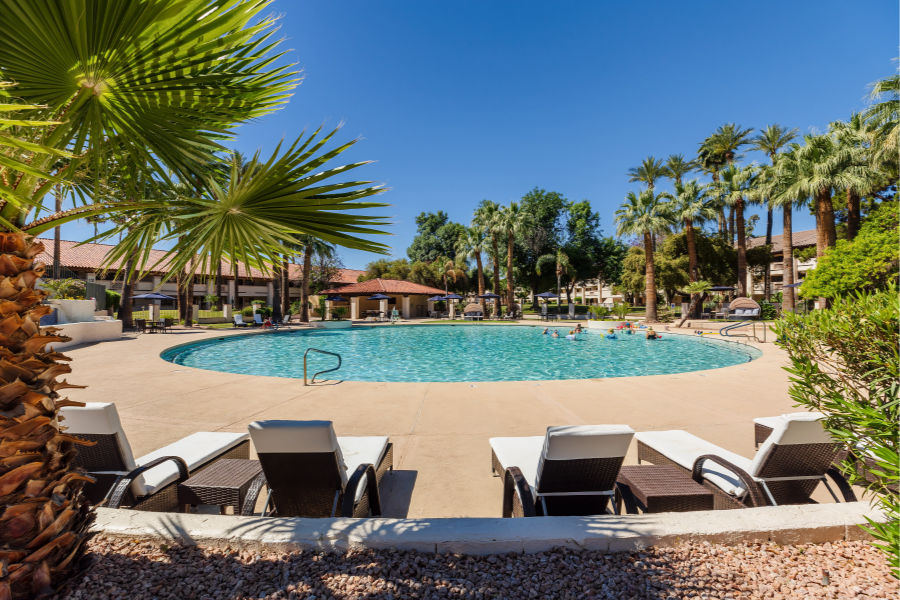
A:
223, 483
658, 489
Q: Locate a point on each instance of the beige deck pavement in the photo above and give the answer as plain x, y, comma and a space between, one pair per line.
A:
440, 430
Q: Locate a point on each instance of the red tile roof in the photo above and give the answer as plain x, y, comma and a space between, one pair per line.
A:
384, 286
799, 239
90, 257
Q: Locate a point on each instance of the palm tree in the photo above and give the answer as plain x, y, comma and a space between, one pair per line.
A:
884, 116
710, 163
645, 214
449, 270
770, 140
84, 93
489, 219
472, 244
735, 189
855, 135
819, 166
776, 190
563, 266
514, 220
649, 171
696, 289
676, 167
725, 142
691, 205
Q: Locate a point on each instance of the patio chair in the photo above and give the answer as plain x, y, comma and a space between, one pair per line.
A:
395, 316
570, 471
786, 469
140, 325
150, 482
473, 312
168, 324
257, 319
310, 472
239, 321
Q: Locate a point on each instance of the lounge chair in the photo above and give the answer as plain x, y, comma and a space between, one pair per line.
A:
569, 471
167, 324
150, 482
239, 321
257, 319
310, 472
786, 469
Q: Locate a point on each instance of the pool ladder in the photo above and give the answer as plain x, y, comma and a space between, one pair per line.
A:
313, 380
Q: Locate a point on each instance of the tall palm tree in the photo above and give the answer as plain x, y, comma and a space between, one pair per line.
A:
449, 270
884, 116
677, 167
777, 186
770, 141
472, 244
736, 188
515, 220
645, 214
726, 141
489, 218
819, 166
560, 261
855, 135
84, 93
649, 171
711, 164
691, 205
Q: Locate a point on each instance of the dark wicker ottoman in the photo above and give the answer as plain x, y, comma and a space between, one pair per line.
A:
224, 483
659, 489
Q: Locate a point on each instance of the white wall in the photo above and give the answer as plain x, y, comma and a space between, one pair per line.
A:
84, 333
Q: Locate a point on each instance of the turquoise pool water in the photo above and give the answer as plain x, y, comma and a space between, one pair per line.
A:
458, 353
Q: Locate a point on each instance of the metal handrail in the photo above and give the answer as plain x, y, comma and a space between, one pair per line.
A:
313, 380
727, 329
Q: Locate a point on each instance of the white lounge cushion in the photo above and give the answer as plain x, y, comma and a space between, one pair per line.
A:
772, 422
575, 442
792, 429
684, 448
522, 452
98, 418
359, 451
238, 319
257, 318
297, 436
196, 449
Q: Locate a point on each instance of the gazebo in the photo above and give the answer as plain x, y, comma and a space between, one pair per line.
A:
411, 299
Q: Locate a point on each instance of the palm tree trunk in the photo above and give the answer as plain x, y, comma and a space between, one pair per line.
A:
125, 308
853, 216
826, 235
767, 276
731, 225
692, 264
56, 235
723, 228
43, 532
497, 274
695, 300
189, 296
277, 315
650, 289
304, 289
285, 286
510, 285
558, 291
742, 249
787, 246
480, 282
218, 292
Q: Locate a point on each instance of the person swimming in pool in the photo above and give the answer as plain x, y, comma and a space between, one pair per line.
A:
556, 333
571, 335
578, 328
611, 334
652, 335
546, 331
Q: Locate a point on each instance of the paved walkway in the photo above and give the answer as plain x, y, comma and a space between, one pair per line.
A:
440, 431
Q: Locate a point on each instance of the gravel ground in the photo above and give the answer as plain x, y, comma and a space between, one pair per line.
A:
138, 570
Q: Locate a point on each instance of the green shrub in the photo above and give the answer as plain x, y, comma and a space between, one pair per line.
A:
339, 312
767, 312
113, 299
265, 311
65, 289
844, 362
247, 311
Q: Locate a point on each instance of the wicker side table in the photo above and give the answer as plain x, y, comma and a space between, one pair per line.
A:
660, 488
224, 483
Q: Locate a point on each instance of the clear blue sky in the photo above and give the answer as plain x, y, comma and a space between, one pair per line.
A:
461, 101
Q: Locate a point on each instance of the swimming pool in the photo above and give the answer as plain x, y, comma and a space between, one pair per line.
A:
458, 353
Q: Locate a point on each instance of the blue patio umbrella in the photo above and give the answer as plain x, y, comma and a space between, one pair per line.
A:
489, 296
546, 295
721, 288
793, 285
336, 299
152, 296
378, 297
435, 298
452, 297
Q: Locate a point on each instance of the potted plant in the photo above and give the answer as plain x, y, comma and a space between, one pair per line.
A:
339, 312
620, 311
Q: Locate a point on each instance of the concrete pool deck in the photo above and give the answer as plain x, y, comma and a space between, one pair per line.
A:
440, 431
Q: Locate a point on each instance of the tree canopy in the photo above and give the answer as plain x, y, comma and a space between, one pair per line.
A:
436, 236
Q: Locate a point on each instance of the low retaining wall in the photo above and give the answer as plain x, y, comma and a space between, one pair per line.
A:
808, 524
346, 324
88, 332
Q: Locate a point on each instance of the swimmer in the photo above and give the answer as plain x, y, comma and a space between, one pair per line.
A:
571, 335
578, 328
651, 335
546, 331
555, 333
611, 334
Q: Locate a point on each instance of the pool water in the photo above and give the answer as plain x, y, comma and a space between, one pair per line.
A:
459, 353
